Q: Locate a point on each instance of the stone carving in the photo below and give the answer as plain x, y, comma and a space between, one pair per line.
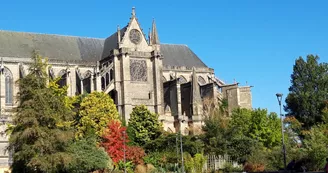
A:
135, 36
138, 70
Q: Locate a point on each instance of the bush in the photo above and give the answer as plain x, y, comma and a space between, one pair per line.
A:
135, 154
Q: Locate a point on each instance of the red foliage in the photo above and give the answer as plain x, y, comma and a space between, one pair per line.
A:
113, 140
135, 154
257, 167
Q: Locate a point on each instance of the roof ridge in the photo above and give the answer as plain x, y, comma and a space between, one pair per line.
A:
60, 35
175, 44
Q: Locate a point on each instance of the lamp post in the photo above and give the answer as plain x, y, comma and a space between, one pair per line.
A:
181, 148
177, 147
279, 97
124, 151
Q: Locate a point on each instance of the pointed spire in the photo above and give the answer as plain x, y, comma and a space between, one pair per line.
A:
133, 12
118, 34
149, 36
154, 35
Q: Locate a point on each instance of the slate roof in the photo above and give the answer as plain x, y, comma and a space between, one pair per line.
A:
21, 45
111, 42
180, 55
71, 48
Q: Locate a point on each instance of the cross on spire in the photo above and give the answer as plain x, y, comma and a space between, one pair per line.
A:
133, 12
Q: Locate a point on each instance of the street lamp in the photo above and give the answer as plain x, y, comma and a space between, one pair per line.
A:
182, 162
124, 151
279, 97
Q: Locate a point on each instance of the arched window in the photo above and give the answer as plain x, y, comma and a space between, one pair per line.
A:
111, 74
107, 79
182, 80
201, 80
8, 86
103, 83
87, 82
63, 77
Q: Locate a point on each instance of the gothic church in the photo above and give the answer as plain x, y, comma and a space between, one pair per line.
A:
169, 79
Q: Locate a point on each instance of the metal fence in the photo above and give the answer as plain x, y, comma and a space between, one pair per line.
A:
215, 162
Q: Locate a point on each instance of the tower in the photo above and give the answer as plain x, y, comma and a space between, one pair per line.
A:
137, 68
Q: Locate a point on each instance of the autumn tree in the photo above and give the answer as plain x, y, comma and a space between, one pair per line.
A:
143, 125
40, 134
113, 140
308, 91
96, 110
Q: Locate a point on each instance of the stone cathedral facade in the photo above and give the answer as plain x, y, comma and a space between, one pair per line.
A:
170, 79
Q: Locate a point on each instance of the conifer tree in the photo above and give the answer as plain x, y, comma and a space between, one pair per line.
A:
143, 125
40, 136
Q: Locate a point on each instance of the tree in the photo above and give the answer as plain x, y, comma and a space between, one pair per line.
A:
88, 157
308, 91
215, 128
143, 125
95, 112
168, 143
40, 136
241, 121
114, 140
265, 128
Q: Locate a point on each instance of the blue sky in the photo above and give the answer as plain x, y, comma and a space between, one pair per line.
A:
246, 40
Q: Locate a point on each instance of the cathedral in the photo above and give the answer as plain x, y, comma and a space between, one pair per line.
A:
134, 69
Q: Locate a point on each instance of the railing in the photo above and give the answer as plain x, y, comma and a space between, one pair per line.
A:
215, 162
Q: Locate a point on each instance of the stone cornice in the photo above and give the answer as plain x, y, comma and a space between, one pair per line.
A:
14, 60
187, 69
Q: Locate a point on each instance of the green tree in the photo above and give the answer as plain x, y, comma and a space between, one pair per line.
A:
88, 157
170, 142
308, 91
241, 121
96, 110
265, 127
39, 137
215, 132
143, 125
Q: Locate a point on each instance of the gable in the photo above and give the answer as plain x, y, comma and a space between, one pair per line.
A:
126, 42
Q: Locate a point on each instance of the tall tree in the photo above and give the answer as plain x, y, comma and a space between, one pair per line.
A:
95, 112
215, 136
143, 125
40, 136
308, 91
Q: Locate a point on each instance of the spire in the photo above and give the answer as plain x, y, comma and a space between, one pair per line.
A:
154, 36
133, 12
149, 36
118, 34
